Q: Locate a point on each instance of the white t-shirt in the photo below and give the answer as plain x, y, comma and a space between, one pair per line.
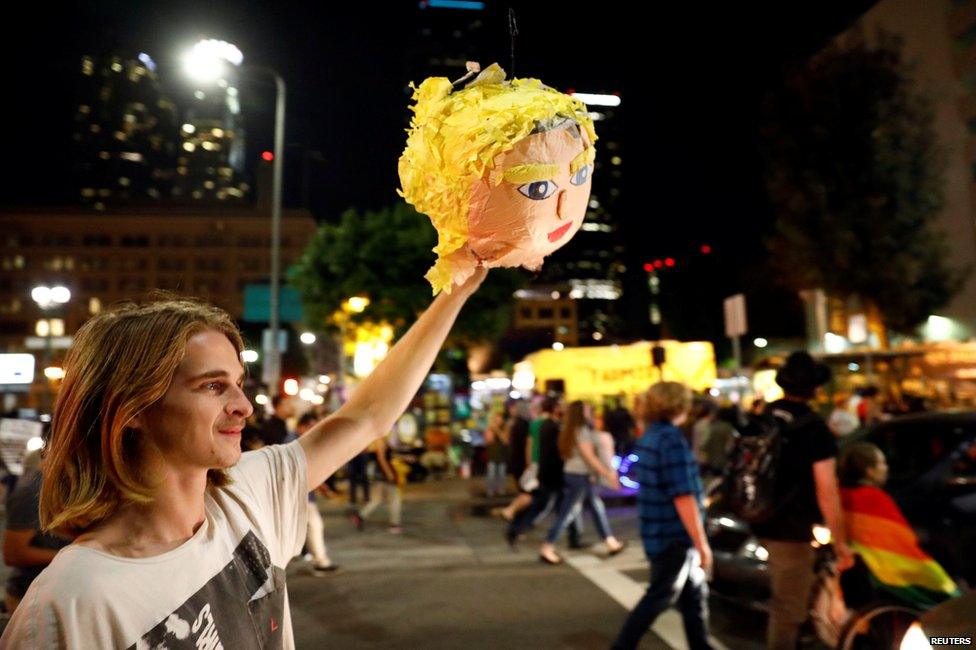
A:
222, 588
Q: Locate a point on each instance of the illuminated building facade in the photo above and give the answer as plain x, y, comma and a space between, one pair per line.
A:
124, 253
125, 133
210, 160
134, 144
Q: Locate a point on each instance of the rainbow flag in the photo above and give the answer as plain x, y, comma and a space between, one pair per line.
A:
879, 533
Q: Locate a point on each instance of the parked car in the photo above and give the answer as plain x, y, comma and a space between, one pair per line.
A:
932, 478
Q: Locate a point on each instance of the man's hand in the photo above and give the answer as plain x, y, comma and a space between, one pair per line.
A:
471, 285
613, 481
845, 557
707, 562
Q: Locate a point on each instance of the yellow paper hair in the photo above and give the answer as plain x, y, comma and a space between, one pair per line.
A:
453, 140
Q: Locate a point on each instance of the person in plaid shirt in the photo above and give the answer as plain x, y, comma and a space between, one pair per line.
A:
670, 507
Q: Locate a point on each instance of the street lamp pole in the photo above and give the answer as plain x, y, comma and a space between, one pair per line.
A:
207, 61
48, 298
274, 354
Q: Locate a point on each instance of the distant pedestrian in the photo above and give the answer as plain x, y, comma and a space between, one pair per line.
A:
274, 429
522, 464
891, 563
314, 538
582, 465
496, 441
359, 484
550, 471
671, 511
620, 423
808, 461
26, 548
386, 490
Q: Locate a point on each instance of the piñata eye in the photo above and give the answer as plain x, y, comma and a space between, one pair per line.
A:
538, 190
581, 176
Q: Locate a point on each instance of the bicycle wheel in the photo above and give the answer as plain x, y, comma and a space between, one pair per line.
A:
878, 627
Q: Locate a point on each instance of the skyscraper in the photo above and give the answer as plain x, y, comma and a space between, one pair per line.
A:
210, 162
125, 131
138, 139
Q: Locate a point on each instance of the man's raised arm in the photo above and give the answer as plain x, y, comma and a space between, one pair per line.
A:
383, 396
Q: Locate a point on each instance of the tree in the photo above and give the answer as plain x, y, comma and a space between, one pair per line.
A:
854, 174
383, 255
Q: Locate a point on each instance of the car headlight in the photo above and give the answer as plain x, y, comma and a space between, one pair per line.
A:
915, 639
756, 551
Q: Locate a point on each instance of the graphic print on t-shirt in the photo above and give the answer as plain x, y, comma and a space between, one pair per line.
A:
240, 607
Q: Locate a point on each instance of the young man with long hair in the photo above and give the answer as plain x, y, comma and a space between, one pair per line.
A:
182, 541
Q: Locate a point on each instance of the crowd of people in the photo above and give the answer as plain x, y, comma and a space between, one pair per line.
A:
558, 455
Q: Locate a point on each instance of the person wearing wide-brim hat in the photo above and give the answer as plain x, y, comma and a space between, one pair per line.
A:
801, 375
811, 496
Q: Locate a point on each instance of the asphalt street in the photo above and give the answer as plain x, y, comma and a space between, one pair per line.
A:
450, 580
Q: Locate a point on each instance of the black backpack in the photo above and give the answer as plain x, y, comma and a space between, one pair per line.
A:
755, 488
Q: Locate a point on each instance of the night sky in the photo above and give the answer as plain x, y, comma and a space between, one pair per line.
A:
691, 80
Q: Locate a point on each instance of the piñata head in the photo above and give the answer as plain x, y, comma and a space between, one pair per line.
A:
502, 168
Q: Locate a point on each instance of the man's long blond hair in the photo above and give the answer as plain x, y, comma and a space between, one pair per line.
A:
122, 362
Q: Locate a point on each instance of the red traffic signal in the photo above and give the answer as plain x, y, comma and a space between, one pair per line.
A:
648, 267
706, 249
669, 261
267, 156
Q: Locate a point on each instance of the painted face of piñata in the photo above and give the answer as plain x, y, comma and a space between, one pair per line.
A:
539, 203
503, 169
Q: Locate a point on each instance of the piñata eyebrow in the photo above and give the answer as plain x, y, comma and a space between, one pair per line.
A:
531, 172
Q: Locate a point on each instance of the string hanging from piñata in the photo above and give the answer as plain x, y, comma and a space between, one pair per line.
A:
502, 168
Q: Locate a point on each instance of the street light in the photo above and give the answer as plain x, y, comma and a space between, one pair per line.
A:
48, 298
207, 61
356, 304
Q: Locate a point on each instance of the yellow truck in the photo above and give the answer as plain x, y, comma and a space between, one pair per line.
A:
591, 373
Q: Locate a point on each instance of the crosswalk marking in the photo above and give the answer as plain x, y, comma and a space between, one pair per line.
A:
609, 576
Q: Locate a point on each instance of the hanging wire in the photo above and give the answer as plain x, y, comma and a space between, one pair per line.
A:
512, 33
